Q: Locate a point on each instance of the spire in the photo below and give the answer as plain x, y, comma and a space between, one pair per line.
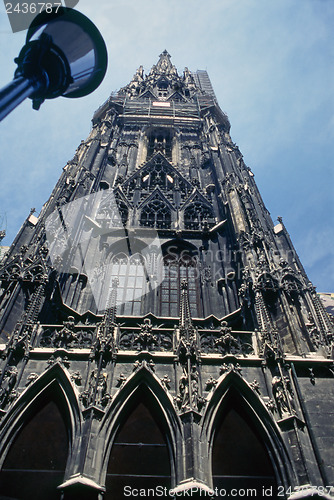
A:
163, 82
164, 66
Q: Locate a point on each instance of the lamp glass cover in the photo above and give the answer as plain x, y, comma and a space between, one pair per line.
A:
80, 42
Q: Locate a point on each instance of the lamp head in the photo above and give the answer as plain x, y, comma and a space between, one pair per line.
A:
64, 54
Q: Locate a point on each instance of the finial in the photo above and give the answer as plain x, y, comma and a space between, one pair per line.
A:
164, 54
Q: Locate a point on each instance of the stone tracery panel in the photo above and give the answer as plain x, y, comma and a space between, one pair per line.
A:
156, 214
197, 216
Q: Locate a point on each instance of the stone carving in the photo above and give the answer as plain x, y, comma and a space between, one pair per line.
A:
198, 216
165, 381
102, 397
20, 342
76, 377
146, 340
147, 363
312, 376
96, 393
7, 392
113, 212
104, 348
156, 214
121, 380
62, 360
230, 367
255, 386
226, 342
313, 331
31, 378
270, 404
67, 337
283, 395
290, 284
23, 267
188, 397
266, 283
210, 384
160, 176
206, 274
145, 337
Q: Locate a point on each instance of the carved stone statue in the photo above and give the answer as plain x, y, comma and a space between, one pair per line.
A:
8, 385
282, 395
184, 391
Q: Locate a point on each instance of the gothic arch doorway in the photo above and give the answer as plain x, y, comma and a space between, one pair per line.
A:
240, 458
139, 457
36, 460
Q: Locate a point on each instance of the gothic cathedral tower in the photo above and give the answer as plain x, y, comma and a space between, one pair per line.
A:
159, 333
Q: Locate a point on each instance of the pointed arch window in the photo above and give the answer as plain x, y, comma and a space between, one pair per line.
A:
239, 456
132, 284
139, 457
197, 216
156, 214
37, 456
179, 266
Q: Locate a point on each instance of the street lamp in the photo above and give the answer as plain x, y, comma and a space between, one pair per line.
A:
64, 55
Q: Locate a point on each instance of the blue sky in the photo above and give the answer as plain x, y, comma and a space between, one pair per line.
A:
271, 65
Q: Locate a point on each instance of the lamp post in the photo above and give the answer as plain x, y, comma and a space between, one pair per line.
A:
64, 55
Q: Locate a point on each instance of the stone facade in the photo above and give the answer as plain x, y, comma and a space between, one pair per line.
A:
203, 363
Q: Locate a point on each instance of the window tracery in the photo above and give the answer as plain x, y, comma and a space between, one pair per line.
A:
115, 212
156, 214
197, 216
158, 173
132, 284
157, 177
176, 268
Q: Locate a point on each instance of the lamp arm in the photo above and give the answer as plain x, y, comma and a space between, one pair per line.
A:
14, 93
30, 79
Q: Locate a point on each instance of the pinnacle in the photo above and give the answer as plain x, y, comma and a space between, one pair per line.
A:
164, 54
164, 65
